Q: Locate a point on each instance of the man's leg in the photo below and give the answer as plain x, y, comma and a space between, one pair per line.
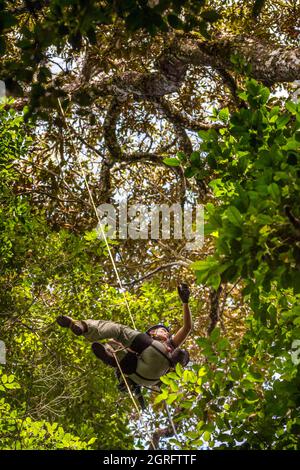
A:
95, 330
106, 329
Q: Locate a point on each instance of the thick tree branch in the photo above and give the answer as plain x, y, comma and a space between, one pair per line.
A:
114, 148
158, 434
109, 128
269, 63
179, 119
214, 308
230, 83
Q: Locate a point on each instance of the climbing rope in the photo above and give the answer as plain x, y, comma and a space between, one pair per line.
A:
116, 272
98, 218
111, 257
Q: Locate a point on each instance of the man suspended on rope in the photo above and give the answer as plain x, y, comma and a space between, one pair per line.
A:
142, 357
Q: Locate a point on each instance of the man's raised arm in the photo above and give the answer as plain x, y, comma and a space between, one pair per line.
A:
183, 332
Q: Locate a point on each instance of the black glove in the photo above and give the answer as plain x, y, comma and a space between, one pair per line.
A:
184, 292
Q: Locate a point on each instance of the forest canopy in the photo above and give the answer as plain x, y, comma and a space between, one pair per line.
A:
157, 102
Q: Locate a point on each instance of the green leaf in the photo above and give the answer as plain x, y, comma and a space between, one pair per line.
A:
223, 344
282, 121
205, 265
173, 375
206, 436
234, 216
264, 93
181, 156
179, 369
160, 398
215, 334
292, 144
204, 135
291, 107
274, 191
235, 373
190, 172
195, 157
189, 376
214, 280
171, 161
171, 398
202, 342
224, 114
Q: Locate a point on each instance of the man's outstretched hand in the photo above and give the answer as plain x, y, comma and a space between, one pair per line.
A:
187, 325
184, 292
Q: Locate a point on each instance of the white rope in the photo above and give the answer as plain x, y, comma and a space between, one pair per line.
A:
113, 262
99, 221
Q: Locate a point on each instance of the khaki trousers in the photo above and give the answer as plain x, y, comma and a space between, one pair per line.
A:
106, 329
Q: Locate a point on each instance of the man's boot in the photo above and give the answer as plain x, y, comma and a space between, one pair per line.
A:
102, 353
76, 326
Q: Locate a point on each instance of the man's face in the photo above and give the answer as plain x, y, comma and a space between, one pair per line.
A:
160, 333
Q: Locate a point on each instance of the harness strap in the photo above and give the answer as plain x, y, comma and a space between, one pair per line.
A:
142, 342
163, 354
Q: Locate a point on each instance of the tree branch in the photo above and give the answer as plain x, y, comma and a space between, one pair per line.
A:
214, 308
156, 270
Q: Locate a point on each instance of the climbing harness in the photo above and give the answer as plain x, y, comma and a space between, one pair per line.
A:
150, 351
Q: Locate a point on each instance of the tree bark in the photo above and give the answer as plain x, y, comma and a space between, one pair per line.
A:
269, 63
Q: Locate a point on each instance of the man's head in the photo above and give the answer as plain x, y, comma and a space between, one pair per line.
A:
159, 332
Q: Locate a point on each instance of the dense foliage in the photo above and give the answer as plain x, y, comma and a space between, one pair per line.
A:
165, 102
44, 389
249, 397
70, 24
254, 169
